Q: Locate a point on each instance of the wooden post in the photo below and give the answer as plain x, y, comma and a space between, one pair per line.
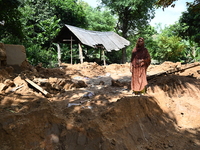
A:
100, 54
80, 53
71, 51
59, 54
123, 55
104, 57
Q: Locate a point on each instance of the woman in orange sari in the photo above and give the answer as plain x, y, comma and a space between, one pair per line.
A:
140, 60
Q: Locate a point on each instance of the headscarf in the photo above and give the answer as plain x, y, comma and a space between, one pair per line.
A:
139, 52
138, 46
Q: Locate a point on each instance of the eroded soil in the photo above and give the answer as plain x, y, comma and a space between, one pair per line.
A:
91, 107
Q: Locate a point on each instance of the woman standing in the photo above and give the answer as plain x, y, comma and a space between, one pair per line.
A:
140, 60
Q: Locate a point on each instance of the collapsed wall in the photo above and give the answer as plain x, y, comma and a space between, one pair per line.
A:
16, 54
2, 55
13, 55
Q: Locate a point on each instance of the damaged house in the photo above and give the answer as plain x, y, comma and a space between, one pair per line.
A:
107, 41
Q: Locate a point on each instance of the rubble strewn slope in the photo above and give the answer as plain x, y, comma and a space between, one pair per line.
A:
90, 107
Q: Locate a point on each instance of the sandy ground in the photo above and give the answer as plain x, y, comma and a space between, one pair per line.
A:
90, 107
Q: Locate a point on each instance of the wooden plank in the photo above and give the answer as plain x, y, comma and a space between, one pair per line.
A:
38, 87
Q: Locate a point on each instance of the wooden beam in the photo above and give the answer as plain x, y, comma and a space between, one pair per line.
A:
68, 40
38, 88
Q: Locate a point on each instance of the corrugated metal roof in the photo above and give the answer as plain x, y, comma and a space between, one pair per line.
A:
109, 40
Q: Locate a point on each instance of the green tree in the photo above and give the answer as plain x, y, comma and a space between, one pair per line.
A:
10, 14
192, 53
170, 47
97, 19
69, 12
132, 15
42, 20
148, 34
190, 24
167, 3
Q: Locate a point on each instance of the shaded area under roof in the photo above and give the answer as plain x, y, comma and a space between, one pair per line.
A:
109, 40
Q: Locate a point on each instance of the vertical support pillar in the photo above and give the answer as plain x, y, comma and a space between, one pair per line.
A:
71, 51
59, 54
104, 57
100, 54
80, 53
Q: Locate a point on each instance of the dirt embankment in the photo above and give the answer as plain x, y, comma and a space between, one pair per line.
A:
91, 108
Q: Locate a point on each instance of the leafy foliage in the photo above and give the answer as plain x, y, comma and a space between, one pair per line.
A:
100, 20
11, 15
190, 25
192, 53
69, 12
97, 19
40, 27
148, 34
132, 16
167, 3
170, 48
41, 21
36, 55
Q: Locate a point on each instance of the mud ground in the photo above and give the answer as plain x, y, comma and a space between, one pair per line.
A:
90, 107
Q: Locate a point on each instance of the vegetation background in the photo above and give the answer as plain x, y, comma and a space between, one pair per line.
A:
34, 24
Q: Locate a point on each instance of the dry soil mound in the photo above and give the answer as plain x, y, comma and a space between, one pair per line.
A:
90, 107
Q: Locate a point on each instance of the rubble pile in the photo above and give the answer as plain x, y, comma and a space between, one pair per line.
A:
88, 106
